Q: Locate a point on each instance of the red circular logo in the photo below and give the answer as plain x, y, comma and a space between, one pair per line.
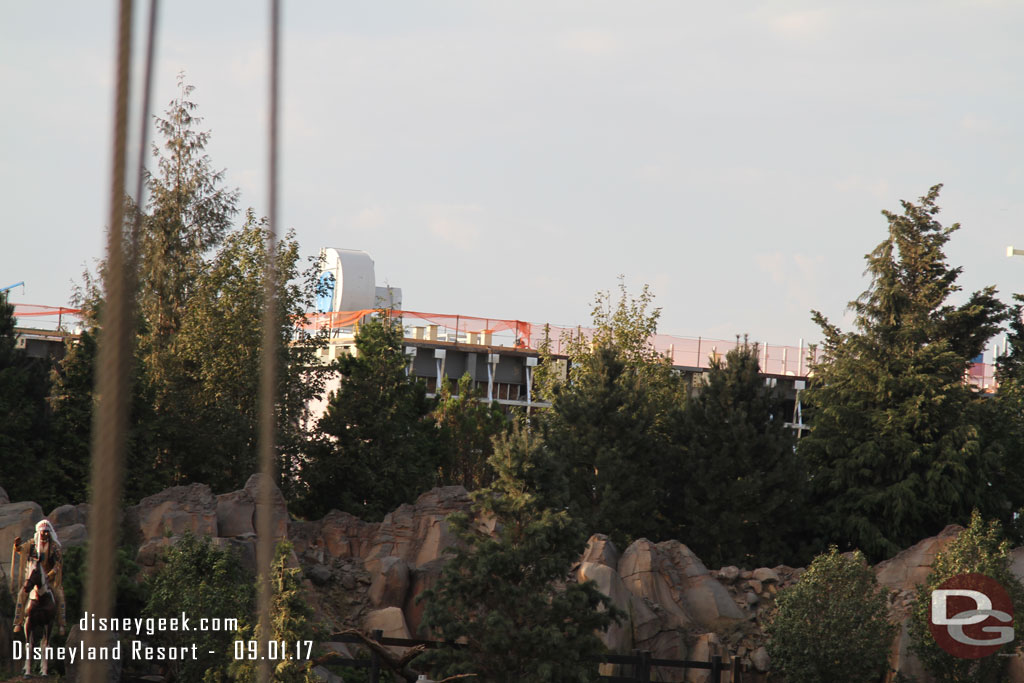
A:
971, 616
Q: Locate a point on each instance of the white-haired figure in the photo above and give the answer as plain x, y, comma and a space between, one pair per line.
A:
45, 546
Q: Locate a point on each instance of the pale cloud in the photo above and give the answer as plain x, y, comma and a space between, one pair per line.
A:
591, 42
456, 224
973, 123
877, 188
372, 218
797, 275
801, 24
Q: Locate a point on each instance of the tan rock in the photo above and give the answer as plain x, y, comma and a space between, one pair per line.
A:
16, 519
174, 511
391, 584
421, 578
236, 511
911, 567
417, 533
601, 550
766, 575
390, 620
902, 661
706, 645
760, 659
619, 637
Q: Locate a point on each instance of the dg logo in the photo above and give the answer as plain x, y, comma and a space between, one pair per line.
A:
971, 616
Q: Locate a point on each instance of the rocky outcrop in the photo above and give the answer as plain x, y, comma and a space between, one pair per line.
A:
369, 575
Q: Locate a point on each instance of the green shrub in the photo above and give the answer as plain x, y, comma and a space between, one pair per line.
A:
203, 581
981, 549
832, 625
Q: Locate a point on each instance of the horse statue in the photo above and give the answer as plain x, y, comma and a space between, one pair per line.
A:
40, 613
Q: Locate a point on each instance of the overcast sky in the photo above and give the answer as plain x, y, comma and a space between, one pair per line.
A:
509, 159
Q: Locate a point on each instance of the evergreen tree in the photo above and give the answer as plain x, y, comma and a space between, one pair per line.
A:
506, 595
197, 344
613, 421
467, 427
376, 443
895, 448
291, 621
218, 358
608, 428
23, 390
743, 482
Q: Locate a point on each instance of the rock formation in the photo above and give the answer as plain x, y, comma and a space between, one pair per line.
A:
367, 575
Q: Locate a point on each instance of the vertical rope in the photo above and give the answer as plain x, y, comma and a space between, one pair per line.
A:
110, 421
268, 361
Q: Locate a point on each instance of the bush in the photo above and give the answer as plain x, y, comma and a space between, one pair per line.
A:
832, 625
981, 549
203, 581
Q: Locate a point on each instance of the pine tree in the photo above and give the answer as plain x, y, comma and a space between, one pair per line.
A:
895, 448
376, 442
23, 391
467, 426
613, 420
291, 621
506, 595
217, 357
609, 429
744, 485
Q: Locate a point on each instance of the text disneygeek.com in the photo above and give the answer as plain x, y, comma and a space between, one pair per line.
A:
143, 651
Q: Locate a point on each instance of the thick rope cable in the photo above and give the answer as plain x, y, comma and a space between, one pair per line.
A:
268, 360
112, 384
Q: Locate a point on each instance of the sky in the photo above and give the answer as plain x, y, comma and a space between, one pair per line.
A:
509, 160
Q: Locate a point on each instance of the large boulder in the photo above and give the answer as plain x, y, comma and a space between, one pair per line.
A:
671, 576
236, 511
911, 567
391, 583
619, 636
16, 519
172, 512
418, 533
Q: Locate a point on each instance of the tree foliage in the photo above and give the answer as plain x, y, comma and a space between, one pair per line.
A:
200, 293
291, 621
744, 484
609, 429
895, 449
25, 460
833, 624
467, 427
612, 421
376, 442
203, 581
506, 594
980, 548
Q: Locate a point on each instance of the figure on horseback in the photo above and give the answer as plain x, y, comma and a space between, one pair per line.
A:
45, 548
40, 612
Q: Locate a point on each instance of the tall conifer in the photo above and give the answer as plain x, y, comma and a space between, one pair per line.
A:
895, 449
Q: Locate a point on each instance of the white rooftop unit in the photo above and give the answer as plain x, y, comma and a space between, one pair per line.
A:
348, 280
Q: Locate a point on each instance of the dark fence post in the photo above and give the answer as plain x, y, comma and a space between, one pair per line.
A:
716, 668
737, 676
377, 634
642, 668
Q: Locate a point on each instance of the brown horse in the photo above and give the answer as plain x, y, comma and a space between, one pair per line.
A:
40, 612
